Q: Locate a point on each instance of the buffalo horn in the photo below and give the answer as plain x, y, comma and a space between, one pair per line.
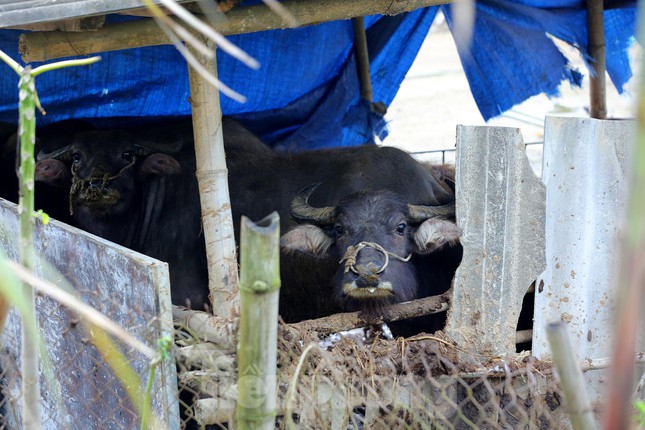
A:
63, 154
419, 213
168, 147
301, 210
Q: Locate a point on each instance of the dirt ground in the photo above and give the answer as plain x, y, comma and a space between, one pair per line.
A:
434, 98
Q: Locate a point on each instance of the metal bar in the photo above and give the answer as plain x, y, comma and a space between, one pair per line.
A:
596, 49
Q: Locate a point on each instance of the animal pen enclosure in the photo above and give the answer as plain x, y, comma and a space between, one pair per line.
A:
467, 377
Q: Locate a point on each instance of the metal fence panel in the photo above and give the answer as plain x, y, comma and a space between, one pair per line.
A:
79, 390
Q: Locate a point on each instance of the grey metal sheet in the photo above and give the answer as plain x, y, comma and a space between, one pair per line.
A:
128, 287
500, 207
22, 12
585, 170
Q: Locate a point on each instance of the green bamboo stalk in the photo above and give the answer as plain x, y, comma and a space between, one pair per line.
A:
27, 136
257, 346
27, 103
571, 380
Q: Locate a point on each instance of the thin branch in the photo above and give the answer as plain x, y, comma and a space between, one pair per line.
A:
291, 391
349, 320
85, 311
11, 63
65, 63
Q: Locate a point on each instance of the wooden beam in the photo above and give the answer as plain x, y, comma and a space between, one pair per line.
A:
241, 20
596, 48
362, 58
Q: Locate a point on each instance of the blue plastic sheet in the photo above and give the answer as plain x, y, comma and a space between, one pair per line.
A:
306, 93
510, 57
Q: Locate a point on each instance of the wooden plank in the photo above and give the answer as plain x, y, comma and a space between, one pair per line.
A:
130, 288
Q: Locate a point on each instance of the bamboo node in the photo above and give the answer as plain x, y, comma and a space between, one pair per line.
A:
259, 287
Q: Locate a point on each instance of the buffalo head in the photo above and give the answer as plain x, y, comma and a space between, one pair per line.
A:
376, 238
102, 168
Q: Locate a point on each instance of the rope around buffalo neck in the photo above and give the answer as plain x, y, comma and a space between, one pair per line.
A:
78, 184
352, 253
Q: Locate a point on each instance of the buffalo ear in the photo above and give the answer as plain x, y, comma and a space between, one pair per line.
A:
434, 233
307, 239
159, 164
53, 172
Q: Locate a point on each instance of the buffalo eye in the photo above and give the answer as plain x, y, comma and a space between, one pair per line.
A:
339, 230
127, 156
400, 229
76, 157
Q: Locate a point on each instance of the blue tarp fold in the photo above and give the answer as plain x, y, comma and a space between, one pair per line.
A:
306, 93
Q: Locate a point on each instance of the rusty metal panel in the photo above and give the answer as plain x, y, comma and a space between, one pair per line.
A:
130, 288
500, 207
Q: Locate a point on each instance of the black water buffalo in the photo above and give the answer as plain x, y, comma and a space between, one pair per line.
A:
136, 186
46, 196
378, 226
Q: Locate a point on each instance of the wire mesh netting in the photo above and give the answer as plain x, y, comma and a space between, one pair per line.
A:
79, 389
359, 380
351, 382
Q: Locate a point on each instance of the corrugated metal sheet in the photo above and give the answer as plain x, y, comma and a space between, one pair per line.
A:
585, 164
500, 207
585, 171
128, 287
22, 12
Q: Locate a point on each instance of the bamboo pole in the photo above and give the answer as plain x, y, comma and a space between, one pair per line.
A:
596, 48
221, 331
240, 20
258, 345
212, 177
571, 381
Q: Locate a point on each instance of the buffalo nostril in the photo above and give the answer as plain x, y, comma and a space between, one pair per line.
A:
367, 279
372, 268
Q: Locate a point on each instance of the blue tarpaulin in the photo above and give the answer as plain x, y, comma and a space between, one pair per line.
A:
306, 93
